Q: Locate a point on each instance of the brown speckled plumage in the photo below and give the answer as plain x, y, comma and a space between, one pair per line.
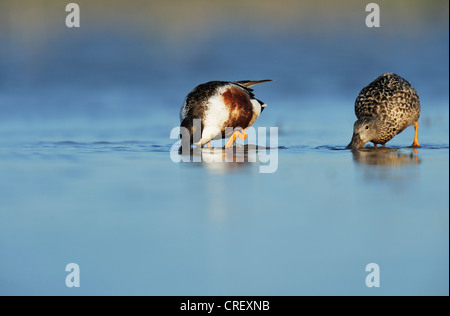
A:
392, 101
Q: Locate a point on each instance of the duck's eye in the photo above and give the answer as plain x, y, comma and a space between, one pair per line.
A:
367, 126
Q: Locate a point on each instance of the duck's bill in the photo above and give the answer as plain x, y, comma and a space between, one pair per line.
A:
356, 142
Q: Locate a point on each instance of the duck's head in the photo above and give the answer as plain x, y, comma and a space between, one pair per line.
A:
191, 132
364, 130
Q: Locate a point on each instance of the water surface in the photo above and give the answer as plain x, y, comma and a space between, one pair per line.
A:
86, 173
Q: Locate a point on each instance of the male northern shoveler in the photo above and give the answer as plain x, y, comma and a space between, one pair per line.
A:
384, 109
218, 105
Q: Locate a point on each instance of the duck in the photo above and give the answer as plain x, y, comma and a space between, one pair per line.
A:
225, 108
384, 109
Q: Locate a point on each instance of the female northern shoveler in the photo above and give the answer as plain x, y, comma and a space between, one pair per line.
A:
384, 109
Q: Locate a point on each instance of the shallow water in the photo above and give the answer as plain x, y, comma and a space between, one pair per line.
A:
138, 223
87, 176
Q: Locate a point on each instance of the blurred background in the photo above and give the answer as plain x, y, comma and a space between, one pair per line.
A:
130, 57
86, 176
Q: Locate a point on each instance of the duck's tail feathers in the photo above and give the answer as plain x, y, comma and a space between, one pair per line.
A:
251, 83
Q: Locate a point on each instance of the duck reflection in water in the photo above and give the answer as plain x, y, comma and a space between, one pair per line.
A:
396, 166
385, 157
224, 160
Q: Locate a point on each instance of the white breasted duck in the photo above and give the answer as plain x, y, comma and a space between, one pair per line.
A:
218, 105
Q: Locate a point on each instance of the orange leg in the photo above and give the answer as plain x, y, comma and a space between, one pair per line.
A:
232, 139
416, 135
208, 144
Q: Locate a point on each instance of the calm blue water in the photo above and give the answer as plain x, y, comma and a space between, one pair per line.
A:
86, 174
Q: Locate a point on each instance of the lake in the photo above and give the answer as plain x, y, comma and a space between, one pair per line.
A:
87, 175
